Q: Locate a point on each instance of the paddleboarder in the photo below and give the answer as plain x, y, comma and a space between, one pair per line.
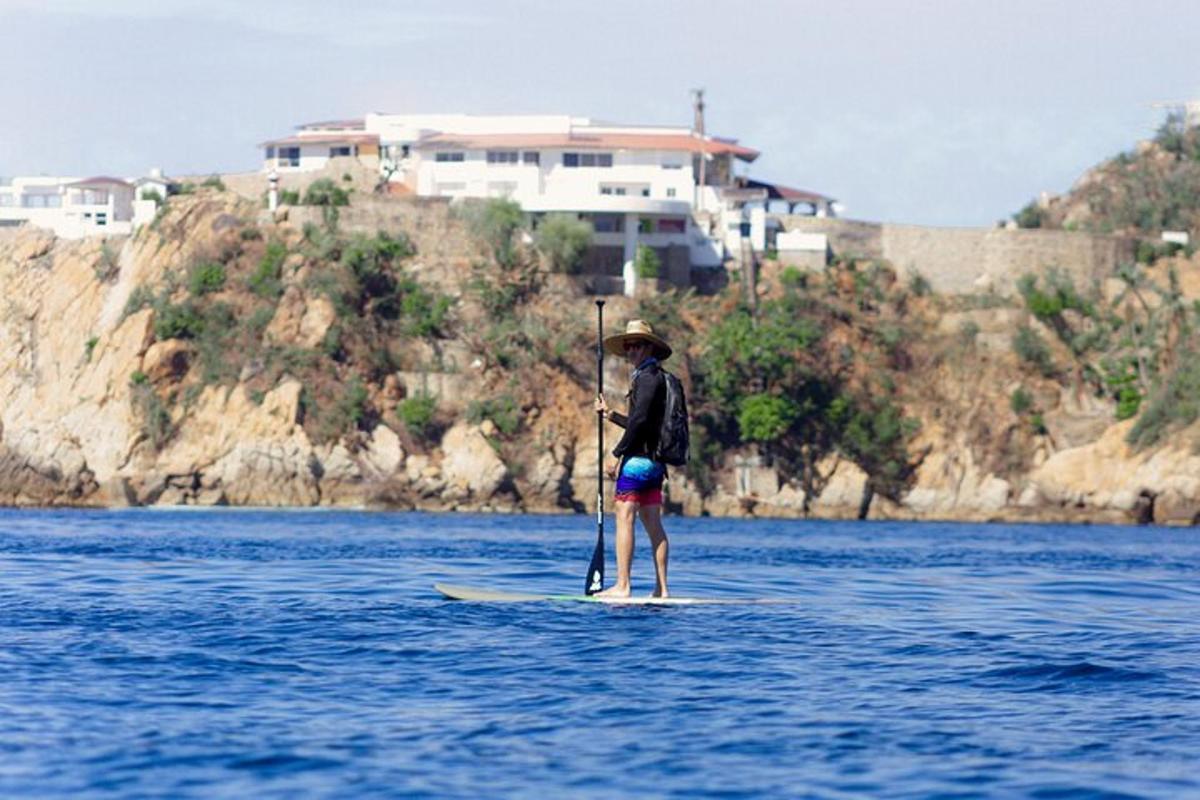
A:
639, 477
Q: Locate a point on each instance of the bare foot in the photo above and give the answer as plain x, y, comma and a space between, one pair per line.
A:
614, 591
664, 594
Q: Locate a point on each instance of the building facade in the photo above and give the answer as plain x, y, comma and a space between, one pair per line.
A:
664, 187
73, 207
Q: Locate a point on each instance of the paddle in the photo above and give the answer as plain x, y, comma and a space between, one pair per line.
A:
594, 580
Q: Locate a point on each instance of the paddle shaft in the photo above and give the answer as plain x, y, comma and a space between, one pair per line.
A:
594, 580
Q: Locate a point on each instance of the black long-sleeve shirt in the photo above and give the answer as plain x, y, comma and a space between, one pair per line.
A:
647, 403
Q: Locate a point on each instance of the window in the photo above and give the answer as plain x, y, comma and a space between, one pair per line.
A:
101, 219
672, 166
531, 157
670, 191
449, 189
270, 152
613, 190
502, 156
587, 159
6, 199
645, 191
289, 156
339, 152
669, 225
608, 223
454, 156
41, 200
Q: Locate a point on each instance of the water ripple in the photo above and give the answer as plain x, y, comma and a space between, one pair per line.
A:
280, 654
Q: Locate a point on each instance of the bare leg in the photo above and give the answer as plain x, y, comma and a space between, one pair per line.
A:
626, 513
652, 522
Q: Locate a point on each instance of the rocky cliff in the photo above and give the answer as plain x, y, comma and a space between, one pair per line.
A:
224, 357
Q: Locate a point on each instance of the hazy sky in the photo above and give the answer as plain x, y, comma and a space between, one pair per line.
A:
909, 111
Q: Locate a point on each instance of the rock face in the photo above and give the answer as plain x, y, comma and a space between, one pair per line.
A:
95, 411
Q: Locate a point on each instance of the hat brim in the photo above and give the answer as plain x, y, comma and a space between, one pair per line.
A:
615, 345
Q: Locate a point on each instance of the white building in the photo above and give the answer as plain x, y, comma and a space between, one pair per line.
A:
660, 186
72, 207
315, 144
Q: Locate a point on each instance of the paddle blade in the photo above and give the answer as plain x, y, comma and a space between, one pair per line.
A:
594, 581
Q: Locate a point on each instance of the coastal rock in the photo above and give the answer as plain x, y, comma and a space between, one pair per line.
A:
471, 463
269, 473
384, 453
319, 315
167, 361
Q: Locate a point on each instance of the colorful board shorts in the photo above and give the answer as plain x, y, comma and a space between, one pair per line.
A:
640, 481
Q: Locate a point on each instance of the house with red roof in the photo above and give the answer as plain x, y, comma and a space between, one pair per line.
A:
682, 193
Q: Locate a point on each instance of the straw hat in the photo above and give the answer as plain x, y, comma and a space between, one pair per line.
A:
637, 330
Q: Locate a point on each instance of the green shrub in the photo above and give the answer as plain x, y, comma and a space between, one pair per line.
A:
324, 192
564, 240
424, 313
968, 331
89, 347
503, 411
331, 343
1032, 349
1020, 401
918, 284
289, 197
141, 297
138, 378
152, 194
1129, 400
765, 418
177, 321
1175, 404
206, 278
155, 419
793, 278
185, 188
250, 234
418, 414
265, 281
646, 263
214, 182
1031, 216
1038, 424
495, 223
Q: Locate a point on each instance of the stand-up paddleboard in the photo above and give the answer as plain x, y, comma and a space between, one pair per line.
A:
480, 595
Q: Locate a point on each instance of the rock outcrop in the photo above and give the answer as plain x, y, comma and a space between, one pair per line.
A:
100, 405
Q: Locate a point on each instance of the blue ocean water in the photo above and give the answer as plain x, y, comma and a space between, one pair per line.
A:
264, 654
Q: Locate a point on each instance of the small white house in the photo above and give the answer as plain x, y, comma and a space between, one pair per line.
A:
317, 143
71, 207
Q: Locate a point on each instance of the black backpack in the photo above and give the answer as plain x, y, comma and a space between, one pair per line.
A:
673, 435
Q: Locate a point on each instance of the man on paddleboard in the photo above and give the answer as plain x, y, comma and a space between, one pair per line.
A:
639, 477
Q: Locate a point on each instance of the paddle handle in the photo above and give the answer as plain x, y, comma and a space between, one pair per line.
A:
594, 581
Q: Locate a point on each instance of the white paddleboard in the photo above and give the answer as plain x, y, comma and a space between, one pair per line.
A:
480, 595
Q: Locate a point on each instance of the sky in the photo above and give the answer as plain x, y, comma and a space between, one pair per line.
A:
934, 112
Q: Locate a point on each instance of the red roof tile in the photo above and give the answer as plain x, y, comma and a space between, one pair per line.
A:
101, 180
592, 141
330, 138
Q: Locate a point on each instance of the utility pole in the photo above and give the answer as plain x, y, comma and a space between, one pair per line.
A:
698, 130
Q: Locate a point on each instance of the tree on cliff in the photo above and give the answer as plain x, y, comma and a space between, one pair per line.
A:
775, 381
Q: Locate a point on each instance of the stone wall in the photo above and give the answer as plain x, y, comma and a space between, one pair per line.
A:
846, 236
959, 260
